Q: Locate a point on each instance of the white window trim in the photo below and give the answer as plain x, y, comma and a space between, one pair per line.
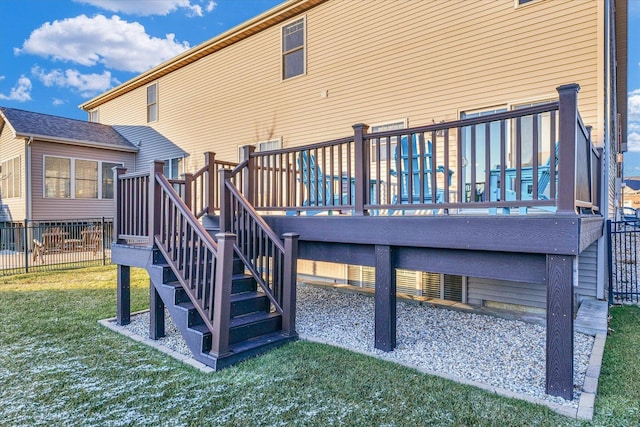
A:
3, 177
304, 47
405, 125
169, 162
257, 145
157, 103
72, 175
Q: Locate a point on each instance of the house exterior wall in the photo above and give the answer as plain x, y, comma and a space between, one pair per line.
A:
14, 208
59, 208
421, 61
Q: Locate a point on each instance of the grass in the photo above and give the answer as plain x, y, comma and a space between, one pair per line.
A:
59, 367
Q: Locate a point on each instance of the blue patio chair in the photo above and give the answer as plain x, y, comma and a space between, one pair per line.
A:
322, 190
526, 182
410, 173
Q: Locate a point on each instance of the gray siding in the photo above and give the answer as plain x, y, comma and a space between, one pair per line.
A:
153, 146
587, 272
501, 291
55, 208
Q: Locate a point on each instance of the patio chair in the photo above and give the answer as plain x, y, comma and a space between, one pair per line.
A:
410, 175
92, 239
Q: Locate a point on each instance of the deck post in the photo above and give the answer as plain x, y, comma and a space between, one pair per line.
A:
290, 283
123, 297
157, 166
156, 313
188, 182
559, 374
225, 201
385, 299
361, 164
117, 198
222, 294
568, 121
209, 161
248, 173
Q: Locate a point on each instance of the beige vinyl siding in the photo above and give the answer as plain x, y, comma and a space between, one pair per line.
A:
13, 209
417, 59
55, 208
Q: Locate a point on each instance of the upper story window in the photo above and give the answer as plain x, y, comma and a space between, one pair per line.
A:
94, 116
293, 55
152, 103
10, 174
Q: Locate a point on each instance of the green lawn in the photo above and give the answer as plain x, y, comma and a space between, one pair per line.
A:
59, 367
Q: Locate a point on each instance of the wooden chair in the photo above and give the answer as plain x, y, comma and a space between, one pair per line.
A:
414, 182
92, 239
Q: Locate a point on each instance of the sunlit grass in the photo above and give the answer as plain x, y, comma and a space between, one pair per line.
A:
58, 366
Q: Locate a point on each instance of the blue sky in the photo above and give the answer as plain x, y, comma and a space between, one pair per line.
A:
57, 54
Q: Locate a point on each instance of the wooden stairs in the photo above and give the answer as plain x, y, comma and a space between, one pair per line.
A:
254, 326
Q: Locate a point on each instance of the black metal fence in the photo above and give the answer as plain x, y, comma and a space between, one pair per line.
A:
31, 246
624, 239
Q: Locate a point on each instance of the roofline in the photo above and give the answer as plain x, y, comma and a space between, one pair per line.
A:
47, 138
274, 16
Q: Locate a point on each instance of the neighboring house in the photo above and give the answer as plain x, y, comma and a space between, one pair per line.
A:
54, 168
308, 70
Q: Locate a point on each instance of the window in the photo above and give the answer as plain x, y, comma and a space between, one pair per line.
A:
107, 179
152, 103
526, 132
267, 145
396, 124
172, 169
57, 177
293, 56
94, 116
10, 174
68, 178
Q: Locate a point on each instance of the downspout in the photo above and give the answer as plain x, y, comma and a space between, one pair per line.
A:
27, 176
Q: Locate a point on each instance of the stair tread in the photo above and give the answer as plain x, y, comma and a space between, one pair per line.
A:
248, 319
243, 296
202, 328
258, 341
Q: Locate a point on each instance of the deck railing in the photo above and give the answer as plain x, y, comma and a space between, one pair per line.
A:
270, 261
539, 157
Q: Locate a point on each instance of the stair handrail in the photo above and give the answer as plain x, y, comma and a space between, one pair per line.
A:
271, 262
182, 240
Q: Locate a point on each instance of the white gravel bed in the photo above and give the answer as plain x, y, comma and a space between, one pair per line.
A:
507, 354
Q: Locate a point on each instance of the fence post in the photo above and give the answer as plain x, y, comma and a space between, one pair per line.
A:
25, 245
209, 161
157, 166
248, 173
117, 172
188, 182
290, 278
222, 294
103, 242
225, 201
361, 163
568, 121
610, 261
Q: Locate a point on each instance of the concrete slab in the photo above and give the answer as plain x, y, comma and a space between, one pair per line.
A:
592, 317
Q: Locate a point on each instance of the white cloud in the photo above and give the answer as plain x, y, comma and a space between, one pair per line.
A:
633, 141
112, 42
87, 85
152, 7
20, 92
633, 103
57, 101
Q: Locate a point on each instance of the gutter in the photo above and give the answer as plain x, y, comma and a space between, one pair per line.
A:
27, 177
47, 138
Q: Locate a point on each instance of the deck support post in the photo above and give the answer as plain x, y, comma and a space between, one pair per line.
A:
123, 304
156, 313
290, 275
222, 294
559, 373
361, 152
385, 299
